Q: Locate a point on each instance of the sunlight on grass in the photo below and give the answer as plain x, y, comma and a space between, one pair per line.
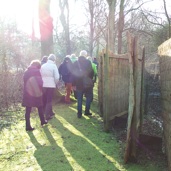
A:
65, 143
78, 133
41, 137
60, 143
16, 151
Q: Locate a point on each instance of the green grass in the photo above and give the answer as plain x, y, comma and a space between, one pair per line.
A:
65, 144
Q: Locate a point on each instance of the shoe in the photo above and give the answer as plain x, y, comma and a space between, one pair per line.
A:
79, 115
30, 129
68, 103
52, 114
88, 114
44, 123
48, 118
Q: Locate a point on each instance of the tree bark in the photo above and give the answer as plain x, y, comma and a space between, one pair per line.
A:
65, 24
120, 26
46, 27
111, 25
91, 8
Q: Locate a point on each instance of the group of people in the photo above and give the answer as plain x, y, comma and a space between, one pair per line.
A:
41, 79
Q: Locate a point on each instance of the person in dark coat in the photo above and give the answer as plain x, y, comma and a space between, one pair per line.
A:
32, 92
84, 65
44, 60
65, 72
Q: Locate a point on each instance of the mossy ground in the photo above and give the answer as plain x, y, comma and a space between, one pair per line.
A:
66, 143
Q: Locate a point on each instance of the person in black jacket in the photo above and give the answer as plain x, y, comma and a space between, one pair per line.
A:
82, 67
65, 72
32, 92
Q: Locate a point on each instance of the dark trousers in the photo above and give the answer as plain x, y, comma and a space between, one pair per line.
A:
47, 101
89, 98
28, 112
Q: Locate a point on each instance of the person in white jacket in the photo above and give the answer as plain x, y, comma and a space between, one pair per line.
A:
50, 77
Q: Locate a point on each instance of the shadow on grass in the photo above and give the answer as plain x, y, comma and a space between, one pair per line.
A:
86, 146
49, 157
75, 144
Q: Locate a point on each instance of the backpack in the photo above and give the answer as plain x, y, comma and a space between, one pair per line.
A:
87, 81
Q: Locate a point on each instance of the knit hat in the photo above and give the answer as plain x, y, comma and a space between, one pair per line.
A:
83, 53
52, 57
44, 59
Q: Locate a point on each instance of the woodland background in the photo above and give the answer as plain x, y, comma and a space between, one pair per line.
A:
106, 24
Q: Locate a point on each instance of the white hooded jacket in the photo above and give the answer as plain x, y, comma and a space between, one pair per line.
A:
50, 74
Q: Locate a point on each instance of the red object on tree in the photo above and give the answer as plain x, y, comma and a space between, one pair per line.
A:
46, 25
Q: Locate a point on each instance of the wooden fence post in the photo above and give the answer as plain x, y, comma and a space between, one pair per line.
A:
142, 90
131, 98
106, 91
134, 99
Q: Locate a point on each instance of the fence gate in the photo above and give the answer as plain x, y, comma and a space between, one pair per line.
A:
119, 91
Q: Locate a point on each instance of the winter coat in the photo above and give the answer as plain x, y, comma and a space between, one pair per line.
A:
65, 70
32, 92
50, 74
87, 69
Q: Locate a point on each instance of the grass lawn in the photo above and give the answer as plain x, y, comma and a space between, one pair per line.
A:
66, 143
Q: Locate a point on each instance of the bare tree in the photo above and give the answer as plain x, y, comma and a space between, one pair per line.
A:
96, 13
159, 18
167, 16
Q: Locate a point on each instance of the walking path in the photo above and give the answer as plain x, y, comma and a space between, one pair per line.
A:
65, 144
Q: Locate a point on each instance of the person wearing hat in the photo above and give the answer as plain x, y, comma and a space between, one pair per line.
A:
82, 68
73, 58
50, 77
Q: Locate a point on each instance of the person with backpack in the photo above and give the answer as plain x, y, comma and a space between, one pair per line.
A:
74, 58
94, 68
82, 76
32, 93
65, 72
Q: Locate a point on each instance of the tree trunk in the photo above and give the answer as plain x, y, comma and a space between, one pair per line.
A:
65, 24
167, 16
46, 27
111, 25
91, 38
120, 26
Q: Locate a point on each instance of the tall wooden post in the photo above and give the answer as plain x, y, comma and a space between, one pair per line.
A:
131, 97
106, 91
135, 62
